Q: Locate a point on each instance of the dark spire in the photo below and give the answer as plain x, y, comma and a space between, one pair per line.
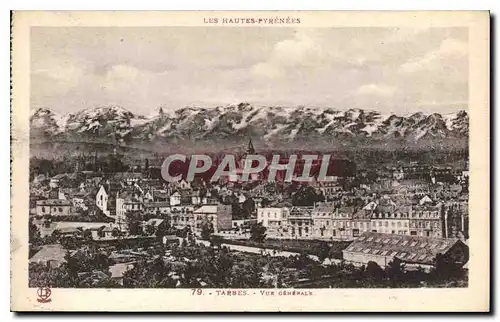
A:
250, 149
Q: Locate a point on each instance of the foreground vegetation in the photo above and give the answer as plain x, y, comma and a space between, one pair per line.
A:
197, 266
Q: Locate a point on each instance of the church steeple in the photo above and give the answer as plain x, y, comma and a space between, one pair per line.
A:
250, 148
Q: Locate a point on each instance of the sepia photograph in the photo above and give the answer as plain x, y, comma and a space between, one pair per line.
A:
252, 155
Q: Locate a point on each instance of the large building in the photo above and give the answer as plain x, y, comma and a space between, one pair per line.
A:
53, 207
427, 220
106, 198
220, 216
273, 218
329, 220
390, 219
300, 222
322, 216
412, 250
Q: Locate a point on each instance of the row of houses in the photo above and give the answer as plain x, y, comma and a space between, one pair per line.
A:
333, 221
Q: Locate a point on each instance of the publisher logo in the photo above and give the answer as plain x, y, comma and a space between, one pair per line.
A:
44, 295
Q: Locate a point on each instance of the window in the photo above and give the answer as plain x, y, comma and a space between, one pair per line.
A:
361, 238
413, 244
395, 241
399, 224
393, 254
328, 223
406, 224
404, 243
386, 223
411, 256
60, 209
43, 209
385, 241
384, 253
433, 246
369, 239
423, 245
393, 224
402, 255
367, 250
443, 246
378, 240
421, 257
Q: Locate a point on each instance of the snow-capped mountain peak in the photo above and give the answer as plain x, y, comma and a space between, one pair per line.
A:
269, 123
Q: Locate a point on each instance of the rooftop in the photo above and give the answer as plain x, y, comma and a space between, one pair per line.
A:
414, 249
49, 253
206, 209
53, 202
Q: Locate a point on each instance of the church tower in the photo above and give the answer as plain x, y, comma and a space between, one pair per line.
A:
250, 148
243, 162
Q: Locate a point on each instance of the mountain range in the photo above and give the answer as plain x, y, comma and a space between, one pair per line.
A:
271, 125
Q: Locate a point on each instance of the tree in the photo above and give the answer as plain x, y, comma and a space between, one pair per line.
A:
373, 271
34, 234
445, 268
207, 229
395, 270
134, 223
163, 230
56, 235
257, 232
248, 208
149, 274
247, 275
216, 241
87, 235
116, 232
306, 196
150, 230
323, 251
41, 275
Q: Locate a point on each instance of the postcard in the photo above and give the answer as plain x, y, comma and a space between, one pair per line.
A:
281, 161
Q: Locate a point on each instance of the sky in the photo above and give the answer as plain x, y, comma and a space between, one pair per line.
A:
391, 70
